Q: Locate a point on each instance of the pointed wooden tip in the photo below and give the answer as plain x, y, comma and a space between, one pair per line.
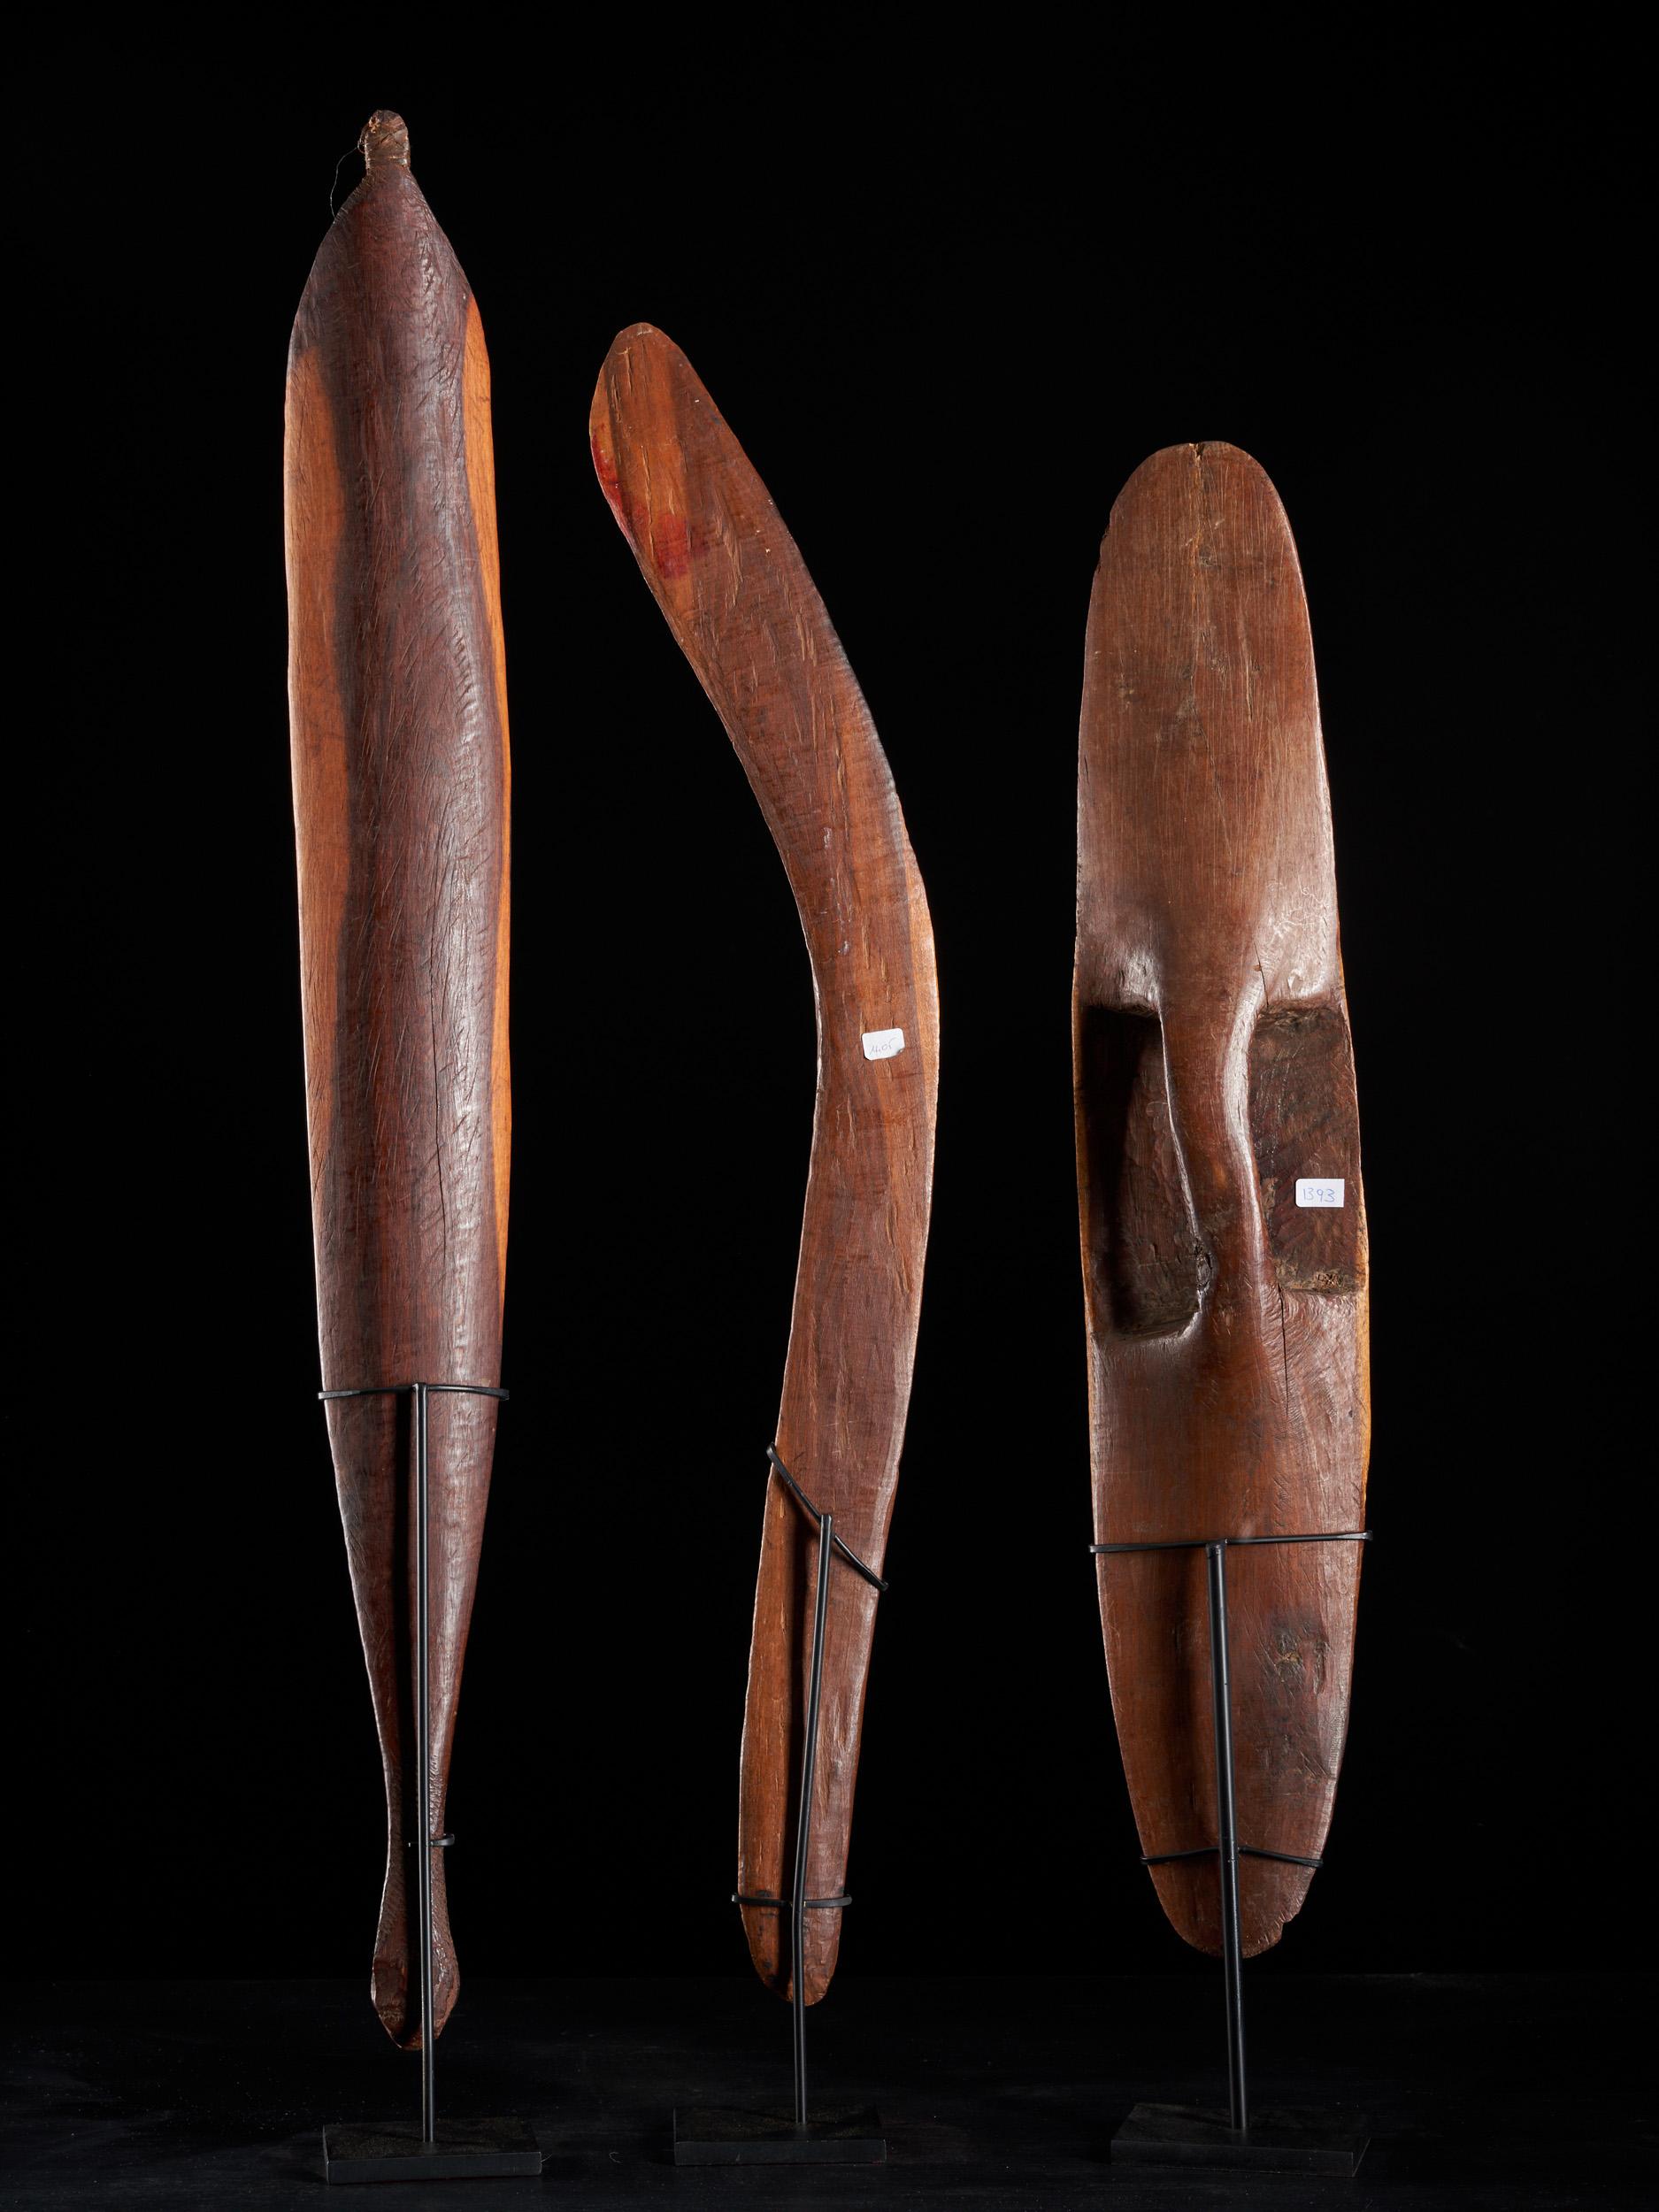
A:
637, 334
644, 339
638, 337
384, 142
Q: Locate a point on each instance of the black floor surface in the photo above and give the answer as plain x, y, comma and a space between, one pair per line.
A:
1521, 2094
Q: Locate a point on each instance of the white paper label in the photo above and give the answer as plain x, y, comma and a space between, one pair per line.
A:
1320, 1190
883, 1044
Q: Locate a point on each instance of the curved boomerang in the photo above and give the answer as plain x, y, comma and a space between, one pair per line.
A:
398, 709
738, 598
1229, 1384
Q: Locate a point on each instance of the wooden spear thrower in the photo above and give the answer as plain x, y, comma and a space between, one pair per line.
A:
738, 598
1222, 1220
398, 706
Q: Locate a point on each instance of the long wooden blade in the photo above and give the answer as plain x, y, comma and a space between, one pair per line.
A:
737, 595
399, 717
1228, 1375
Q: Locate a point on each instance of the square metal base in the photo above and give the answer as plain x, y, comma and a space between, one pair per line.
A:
716, 2135
465, 2150
1275, 2142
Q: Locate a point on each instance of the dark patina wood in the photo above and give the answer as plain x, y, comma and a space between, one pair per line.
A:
399, 717
738, 598
1229, 1387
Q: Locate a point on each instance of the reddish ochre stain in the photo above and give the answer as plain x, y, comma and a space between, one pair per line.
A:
611, 484
671, 545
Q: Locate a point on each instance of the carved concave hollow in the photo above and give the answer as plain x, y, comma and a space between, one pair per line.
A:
1304, 1121
1149, 1264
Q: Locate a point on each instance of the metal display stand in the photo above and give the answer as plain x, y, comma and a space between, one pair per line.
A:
460, 2149
1185, 2135
721, 2136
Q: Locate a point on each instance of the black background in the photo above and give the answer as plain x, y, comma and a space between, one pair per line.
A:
947, 307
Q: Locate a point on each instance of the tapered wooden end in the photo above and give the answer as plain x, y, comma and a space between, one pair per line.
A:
384, 142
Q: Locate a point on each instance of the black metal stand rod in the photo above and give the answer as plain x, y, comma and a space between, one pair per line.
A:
475, 2149
804, 1817
1180, 2135
424, 1843
423, 1793
720, 2135
841, 1550
1236, 1543
1227, 1833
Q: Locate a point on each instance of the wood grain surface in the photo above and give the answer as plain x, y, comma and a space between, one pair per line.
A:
738, 600
1229, 1384
398, 710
